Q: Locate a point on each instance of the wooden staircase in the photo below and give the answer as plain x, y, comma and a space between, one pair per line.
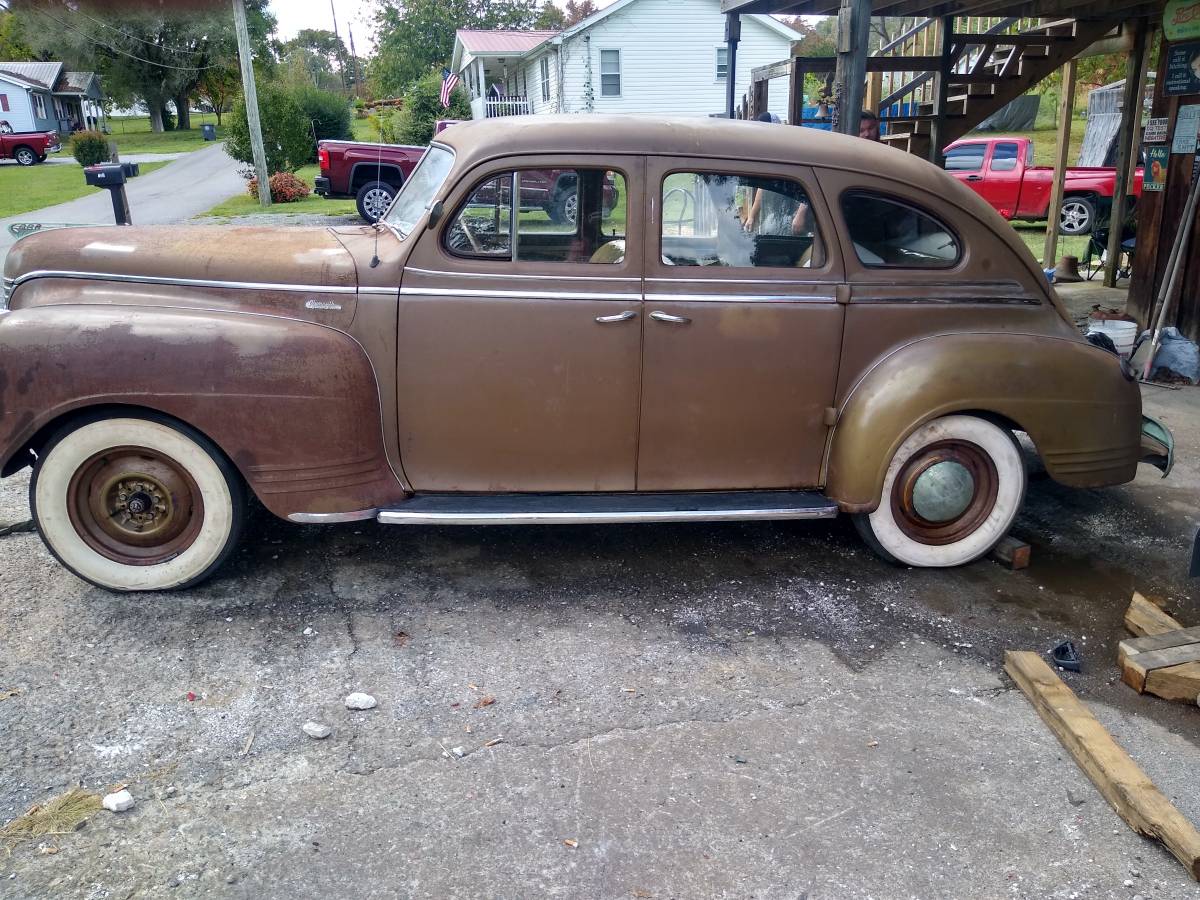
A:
984, 65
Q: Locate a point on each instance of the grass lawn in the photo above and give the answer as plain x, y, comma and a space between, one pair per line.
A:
245, 205
1044, 136
132, 134
24, 189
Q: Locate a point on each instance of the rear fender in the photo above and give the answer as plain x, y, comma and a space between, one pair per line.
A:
1081, 413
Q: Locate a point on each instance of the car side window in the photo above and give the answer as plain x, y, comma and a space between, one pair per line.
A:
739, 221
965, 158
572, 215
889, 233
1004, 157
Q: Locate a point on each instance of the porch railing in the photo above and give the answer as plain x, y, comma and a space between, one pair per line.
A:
507, 106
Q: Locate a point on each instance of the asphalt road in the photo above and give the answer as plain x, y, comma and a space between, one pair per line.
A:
190, 185
727, 711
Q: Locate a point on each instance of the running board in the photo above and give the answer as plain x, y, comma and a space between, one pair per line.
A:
566, 509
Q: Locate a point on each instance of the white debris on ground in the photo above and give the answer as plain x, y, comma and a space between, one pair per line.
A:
118, 802
359, 700
317, 730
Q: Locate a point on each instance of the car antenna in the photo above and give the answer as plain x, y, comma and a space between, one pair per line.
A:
378, 177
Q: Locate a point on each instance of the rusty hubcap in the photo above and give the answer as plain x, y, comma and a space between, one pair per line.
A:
135, 506
944, 492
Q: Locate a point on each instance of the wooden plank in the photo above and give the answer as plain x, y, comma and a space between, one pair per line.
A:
1119, 779
1178, 683
1143, 617
1066, 107
1135, 668
1175, 638
1011, 552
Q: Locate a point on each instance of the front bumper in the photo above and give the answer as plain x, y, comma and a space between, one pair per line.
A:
1158, 447
321, 186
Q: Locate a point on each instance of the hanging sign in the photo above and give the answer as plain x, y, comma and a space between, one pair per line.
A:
1183, 69
1154, 175
1181, 20
1156, 131
1187, 126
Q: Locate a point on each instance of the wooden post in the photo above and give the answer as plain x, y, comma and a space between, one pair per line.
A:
796, 95
256, 138
941, 86
759, 98
874, 92
1131, 119
1066, 108
733, 34
853, 38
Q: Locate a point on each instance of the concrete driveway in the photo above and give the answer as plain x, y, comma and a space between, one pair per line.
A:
726, 711
190, 185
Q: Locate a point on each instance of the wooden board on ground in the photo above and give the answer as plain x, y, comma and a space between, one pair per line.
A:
1011, 552
1122, 782
1165, 660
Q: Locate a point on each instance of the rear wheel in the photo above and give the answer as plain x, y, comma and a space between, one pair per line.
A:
1077, 215
373, 200
136, 504
25, 156
951, 492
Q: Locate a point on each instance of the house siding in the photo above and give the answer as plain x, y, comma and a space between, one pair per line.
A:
47, 122
533, 77
668, 60
20, 111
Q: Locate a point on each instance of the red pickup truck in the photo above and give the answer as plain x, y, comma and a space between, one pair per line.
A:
1001, 171
373, 173
28, 148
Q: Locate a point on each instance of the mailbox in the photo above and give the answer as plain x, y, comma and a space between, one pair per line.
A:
105, 175
113, 176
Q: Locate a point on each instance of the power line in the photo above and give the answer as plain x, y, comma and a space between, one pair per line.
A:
135, 37
119, 51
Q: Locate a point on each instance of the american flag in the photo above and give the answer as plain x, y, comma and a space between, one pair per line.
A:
449, 82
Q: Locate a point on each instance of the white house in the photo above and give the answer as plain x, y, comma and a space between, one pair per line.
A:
643, 57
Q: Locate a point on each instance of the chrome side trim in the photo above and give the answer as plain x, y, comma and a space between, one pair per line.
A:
741, 298
186, 282
379, 291
735, 281
10, 285
514, 276
332, 518
518, 295
401, 517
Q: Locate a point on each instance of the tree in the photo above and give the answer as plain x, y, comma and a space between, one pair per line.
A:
577, 12
316, 57
416, 35
218, 88
550, 18
287, 137
423, 107
12, 41
154, 56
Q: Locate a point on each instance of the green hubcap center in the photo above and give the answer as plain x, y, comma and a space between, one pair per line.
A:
943, 491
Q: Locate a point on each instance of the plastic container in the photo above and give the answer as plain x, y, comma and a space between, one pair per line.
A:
1122, 333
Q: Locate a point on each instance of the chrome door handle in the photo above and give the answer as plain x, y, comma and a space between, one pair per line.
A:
619, 317
659, 316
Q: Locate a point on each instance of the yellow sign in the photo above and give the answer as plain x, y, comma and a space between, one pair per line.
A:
1181, 20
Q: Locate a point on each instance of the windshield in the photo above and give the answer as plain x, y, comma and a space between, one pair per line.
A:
418, 192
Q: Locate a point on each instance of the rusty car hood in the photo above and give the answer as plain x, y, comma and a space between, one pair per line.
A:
205, 253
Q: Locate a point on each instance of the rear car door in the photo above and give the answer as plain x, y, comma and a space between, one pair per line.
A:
520, 330
743, 327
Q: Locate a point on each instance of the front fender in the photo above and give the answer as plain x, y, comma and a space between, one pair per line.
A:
294, 405
1071, 398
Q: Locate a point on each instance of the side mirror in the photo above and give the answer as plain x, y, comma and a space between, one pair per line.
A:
435, 213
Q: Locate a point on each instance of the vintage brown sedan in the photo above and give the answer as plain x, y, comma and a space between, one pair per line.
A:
767, 323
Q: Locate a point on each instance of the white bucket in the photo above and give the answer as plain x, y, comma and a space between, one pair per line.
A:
1122, 333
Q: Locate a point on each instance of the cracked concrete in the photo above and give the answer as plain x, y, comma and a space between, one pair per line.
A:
708, 711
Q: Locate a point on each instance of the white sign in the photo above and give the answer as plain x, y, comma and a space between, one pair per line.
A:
1156, 131
1187, 126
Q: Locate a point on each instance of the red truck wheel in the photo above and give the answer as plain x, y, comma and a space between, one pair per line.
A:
25, 156
373, 200
1077, 215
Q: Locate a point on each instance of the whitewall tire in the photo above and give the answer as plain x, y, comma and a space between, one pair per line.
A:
136, 504
951, 492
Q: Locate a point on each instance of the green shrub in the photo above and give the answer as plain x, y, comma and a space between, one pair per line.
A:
90, 148
287, 137
423, 107
383, 126
285, 188
327, 113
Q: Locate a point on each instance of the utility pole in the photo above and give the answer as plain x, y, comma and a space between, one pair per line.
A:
251, 94
340, 54
354, 63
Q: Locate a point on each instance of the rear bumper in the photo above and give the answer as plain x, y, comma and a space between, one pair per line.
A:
322, 186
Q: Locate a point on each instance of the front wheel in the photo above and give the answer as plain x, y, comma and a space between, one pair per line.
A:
136, 504
950, 494
373, 200
1077, 215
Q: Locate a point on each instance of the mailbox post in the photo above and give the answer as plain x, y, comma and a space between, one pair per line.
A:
113, 176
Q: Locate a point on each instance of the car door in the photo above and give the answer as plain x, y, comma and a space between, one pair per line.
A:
965, 162
1005, 171
743, 327
520, 329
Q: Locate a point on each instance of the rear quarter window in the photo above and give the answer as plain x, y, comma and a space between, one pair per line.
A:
889, 233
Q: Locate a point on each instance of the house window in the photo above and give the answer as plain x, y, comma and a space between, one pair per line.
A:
545, 72
4, 103
610, 73
722, 63
39, 106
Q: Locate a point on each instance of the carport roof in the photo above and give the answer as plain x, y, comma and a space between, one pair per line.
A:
1103, 9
